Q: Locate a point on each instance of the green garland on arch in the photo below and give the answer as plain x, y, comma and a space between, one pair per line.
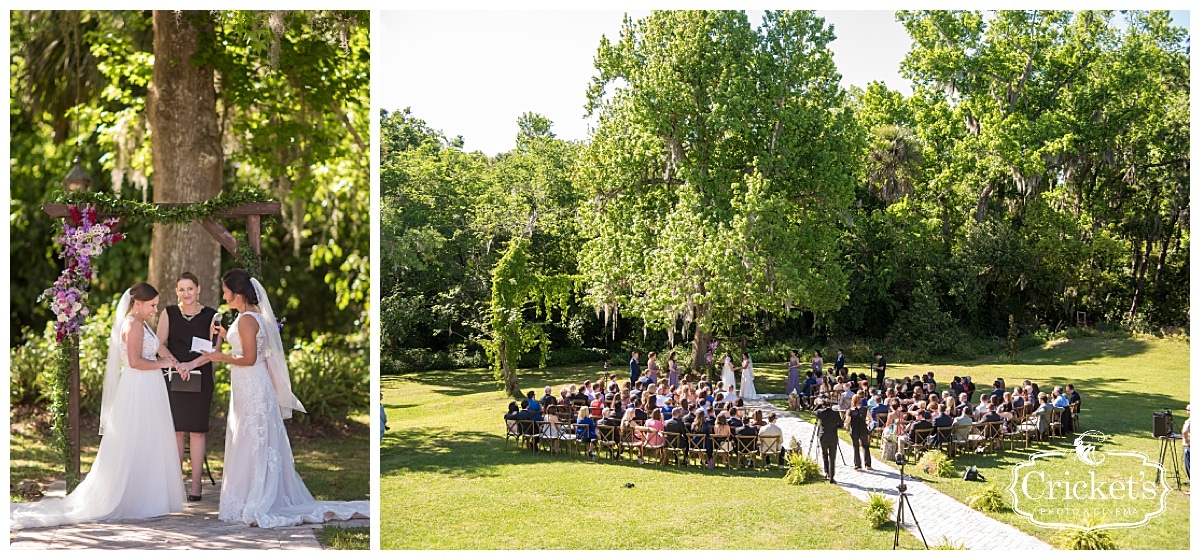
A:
143, 212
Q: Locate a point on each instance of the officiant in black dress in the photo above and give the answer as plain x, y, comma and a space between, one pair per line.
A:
190, 388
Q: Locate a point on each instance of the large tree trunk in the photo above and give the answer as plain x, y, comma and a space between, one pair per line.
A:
511, 385
699, 352
186, 151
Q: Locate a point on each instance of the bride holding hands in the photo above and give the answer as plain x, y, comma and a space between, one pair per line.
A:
136, 473
260, 485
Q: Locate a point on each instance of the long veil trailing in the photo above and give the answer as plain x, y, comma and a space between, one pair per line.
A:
112, 370
276, 359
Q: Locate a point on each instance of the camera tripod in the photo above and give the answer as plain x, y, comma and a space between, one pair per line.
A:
903, 501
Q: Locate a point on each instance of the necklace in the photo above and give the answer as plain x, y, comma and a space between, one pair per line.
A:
187, 317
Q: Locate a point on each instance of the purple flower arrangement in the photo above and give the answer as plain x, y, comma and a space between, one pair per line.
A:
80, 244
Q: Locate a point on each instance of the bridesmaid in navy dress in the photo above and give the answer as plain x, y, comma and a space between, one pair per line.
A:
190, 410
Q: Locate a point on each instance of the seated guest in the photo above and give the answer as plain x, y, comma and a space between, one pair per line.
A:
735, 418
963, 424
746, 446
534, 406
721, 433
1043, 414
548, 398
585, 430
942, 421
510, 419
650, 435
809, 386
1059, 399
956, 386
770, 436
579, 399
880, 408
992, 415
597, 406
1018, 400
700, 430
675, 431
846, 400
997, 390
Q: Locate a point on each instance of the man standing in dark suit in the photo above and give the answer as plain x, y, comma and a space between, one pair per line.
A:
840, 362
635, 371
880, 368
828, 421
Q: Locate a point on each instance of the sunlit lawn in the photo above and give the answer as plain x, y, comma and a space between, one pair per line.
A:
448, 481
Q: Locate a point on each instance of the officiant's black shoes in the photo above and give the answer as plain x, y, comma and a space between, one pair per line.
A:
192, 498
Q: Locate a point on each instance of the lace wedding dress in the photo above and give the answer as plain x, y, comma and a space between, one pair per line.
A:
136, 473
260, 485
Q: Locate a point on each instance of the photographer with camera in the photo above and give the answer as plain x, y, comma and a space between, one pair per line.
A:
828, 421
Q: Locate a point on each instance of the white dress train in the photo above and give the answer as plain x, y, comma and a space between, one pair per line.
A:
137, 473
260, 485
748, 391
727, 376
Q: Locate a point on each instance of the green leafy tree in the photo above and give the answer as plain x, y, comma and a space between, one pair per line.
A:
723, 158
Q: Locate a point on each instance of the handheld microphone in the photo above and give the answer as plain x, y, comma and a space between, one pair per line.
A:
216, 321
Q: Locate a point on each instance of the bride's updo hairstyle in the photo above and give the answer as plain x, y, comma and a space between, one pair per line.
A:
238, 282
142, 292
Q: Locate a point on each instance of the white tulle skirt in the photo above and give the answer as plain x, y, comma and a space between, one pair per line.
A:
260, 485
137, 471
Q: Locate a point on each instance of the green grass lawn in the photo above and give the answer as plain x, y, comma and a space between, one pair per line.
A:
447, 480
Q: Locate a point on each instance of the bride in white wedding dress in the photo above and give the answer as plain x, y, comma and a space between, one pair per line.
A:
260, 485
748, 391
136, 473
727, 376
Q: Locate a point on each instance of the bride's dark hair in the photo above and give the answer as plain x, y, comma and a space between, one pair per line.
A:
142, 292
238, 282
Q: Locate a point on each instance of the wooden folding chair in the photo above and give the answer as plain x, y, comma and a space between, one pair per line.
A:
746, 447
676, 447
771, 446
512, 430
698, 448
608, 438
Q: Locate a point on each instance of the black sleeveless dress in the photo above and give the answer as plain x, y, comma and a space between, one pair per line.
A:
190, 410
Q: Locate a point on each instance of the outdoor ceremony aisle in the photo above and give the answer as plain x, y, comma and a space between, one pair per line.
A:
195, 528
940, 515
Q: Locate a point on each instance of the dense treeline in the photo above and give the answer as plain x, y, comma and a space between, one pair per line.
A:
1038, 174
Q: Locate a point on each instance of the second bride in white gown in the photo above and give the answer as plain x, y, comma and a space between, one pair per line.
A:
748, 391
260, 486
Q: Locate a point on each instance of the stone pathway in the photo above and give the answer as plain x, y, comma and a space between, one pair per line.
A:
195, 528
941, 517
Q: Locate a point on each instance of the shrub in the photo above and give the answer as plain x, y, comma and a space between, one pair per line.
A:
947, 544
1087, 539
330, 377
878, 511
33, 362
801, 468
936, 463
25, 383
990, 499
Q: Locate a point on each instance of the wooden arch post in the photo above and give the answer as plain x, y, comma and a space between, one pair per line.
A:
252, 213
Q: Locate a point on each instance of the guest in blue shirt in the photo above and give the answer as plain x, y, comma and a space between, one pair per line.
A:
534, 406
